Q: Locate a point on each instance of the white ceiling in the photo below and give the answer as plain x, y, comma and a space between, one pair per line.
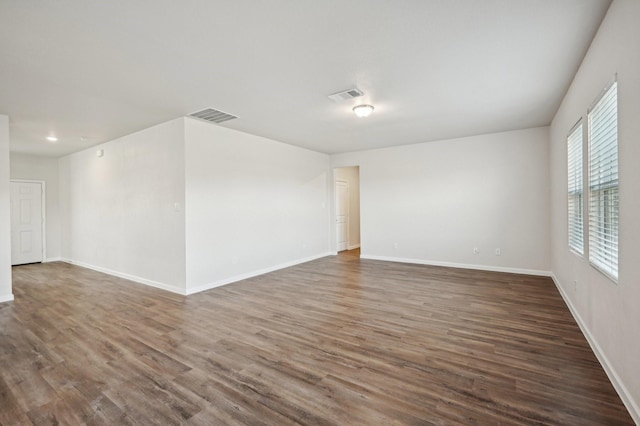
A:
433, 69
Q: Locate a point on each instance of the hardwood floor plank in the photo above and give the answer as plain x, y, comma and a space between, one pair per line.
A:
335, 341
228, 404
11, 411
26, 384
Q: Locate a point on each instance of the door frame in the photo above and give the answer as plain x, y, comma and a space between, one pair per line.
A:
43, 194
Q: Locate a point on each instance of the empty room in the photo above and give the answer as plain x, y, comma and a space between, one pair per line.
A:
366, 212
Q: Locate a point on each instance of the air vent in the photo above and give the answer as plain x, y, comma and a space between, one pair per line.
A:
346, 94
212, 115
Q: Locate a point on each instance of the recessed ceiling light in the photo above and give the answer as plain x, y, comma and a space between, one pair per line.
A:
52, 138
363, 110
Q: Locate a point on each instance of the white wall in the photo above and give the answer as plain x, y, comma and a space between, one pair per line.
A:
43, 168
351, 175
439, 200
124, 212
5, 214
608, 312
252, 204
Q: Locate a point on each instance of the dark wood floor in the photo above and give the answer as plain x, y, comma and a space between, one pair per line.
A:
335, 341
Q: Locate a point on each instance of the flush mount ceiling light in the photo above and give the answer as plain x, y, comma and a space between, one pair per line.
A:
363, 110
52, 138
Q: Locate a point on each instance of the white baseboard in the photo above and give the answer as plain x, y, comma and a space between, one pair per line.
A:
6, 298
195, 289
52, 259
617, 383
353, 247
252, 274
460, 265
129, 277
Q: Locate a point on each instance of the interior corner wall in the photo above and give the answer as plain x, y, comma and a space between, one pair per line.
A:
5, 213
252, 205
435, 202
31, 167
123, 213
608, 313
351, 175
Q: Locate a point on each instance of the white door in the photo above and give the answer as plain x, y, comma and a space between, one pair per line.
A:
26, 222
342, 214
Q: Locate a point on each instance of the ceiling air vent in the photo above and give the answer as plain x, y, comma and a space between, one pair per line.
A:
212, 115
346, 94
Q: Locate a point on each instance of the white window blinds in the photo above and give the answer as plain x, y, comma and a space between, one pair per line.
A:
603, 183
574, 185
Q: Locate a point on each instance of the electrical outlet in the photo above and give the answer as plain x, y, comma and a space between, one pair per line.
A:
395, 245
476, 250
498, 252
234, 260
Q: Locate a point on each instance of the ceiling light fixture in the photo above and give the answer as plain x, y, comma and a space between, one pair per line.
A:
52, 138
363, 110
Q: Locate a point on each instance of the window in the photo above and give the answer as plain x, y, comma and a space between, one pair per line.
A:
603, 183
574, 185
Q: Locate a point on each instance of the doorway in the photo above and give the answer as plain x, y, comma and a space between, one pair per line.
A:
27, 221
347, 207
342, 215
